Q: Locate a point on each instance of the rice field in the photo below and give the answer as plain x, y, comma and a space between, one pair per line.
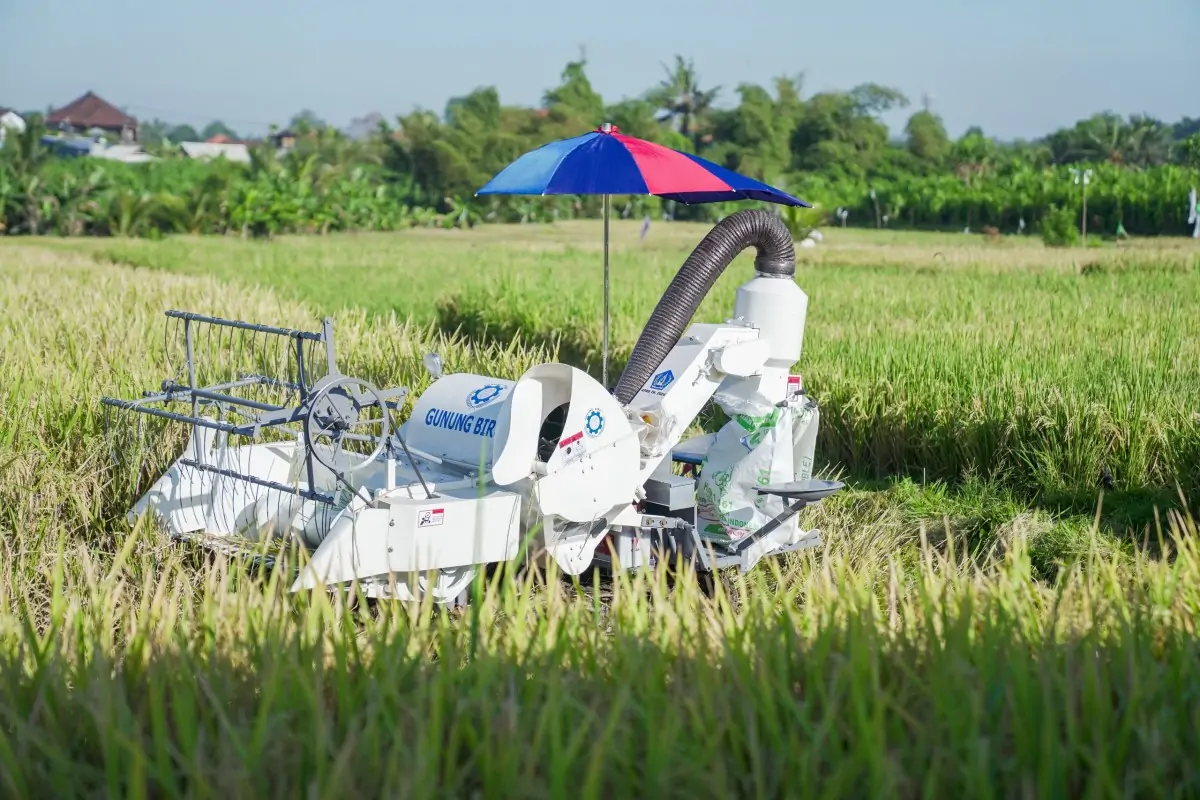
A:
1006, 603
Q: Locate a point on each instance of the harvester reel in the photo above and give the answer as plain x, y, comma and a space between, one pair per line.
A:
335, 411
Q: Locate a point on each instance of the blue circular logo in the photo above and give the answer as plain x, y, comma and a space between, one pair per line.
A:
594, 422
484, 395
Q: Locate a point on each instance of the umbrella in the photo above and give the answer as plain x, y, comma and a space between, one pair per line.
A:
607, 162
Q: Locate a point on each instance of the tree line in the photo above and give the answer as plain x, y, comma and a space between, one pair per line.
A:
831, 148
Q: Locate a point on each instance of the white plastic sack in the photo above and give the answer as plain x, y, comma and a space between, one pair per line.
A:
774, 445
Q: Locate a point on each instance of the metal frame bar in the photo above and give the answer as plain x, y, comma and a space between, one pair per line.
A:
188, 317
225, 427
131, 405
209, 394
713, 555
169, 389
305, 493
772, 525
726, 561
265, 380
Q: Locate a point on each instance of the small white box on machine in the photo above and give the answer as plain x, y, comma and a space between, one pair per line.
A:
451, 531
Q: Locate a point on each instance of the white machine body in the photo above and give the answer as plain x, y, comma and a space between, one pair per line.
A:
459, 418
551, 460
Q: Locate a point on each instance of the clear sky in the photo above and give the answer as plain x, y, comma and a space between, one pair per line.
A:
1015, 67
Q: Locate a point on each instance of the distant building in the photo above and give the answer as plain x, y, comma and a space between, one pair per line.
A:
284, 140
125, 153
68, 146
10, 121
93, 113
206, 151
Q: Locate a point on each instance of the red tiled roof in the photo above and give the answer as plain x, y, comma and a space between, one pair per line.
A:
220, 138
91, 111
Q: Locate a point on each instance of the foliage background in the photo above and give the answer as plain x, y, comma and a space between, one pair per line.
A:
830, 148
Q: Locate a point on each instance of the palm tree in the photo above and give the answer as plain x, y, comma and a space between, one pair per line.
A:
1146, 142
974, 155
1140, 141
682, 101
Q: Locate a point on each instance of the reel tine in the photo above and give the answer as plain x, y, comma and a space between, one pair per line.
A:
224, 353
264, 361
228, 339
166, 345
277, 367
254, 390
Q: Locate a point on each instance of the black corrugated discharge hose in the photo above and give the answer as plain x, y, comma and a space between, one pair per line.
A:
753, 227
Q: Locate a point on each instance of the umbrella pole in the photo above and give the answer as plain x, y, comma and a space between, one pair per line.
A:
604, 362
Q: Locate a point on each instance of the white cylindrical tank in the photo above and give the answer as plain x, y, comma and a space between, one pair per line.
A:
457, 417
777, 307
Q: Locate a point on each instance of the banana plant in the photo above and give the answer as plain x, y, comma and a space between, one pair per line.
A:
801, 222
126, 211
460, 215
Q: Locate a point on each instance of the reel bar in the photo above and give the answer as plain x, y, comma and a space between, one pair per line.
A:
169, 388
294, 415
261, 380
188, 316
134, 405
209, 394
308, 494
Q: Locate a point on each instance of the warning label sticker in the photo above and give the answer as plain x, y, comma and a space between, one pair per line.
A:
430, 517
572, 448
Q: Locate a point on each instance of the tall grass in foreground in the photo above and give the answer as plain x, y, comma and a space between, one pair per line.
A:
141, 675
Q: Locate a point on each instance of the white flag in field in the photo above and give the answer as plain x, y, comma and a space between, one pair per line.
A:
1193, 215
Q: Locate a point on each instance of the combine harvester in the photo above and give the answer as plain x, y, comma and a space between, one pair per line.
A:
484, 466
